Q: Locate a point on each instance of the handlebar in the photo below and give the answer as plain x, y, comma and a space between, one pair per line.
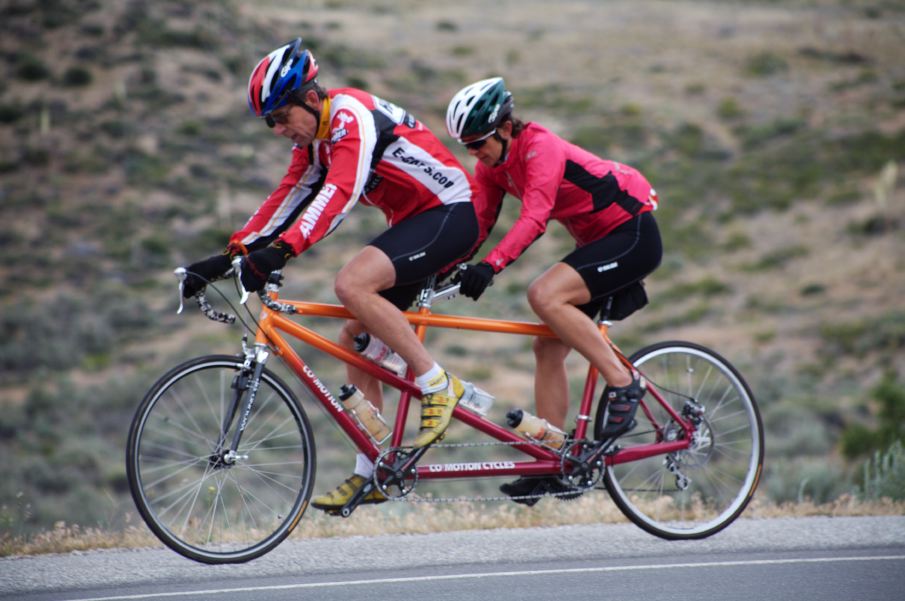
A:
428, 295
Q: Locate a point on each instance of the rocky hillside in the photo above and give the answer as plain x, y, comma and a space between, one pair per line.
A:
774, 132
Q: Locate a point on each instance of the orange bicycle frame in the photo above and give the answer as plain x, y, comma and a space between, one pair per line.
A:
272, 323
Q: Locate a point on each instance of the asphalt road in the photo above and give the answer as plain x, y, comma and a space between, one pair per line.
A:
825, 559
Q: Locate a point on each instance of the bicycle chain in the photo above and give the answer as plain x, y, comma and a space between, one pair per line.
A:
502, 498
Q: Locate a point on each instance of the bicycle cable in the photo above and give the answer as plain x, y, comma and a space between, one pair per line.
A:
209, 284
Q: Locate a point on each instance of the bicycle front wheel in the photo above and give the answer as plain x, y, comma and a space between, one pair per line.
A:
699, 491
202, 501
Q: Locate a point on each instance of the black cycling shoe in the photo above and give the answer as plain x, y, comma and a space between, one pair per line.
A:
621, 405
523, 487
528, 486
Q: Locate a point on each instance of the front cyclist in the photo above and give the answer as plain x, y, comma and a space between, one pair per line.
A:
351, 147
607, 208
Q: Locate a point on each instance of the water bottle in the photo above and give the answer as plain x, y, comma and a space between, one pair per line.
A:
475, 399
377, 351
536, 428
368, 416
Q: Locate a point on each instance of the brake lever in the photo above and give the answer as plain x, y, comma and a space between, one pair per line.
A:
180, 274
237, 266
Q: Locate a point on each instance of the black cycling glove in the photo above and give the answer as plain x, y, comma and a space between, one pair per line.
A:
199, 274
475, 279
257, 265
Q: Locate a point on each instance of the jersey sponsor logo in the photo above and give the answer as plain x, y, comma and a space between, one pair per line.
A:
467, 467
396, 114
313, 213
530, 155
338, 134
373, 181
340, 131
434, 173
344, 118
608, 266
418, 256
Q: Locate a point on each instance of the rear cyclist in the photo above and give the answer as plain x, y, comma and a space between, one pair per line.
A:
351, 147
607, 208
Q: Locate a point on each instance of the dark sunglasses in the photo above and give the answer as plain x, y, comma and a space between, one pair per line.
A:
476, 144
479, 143
272, 119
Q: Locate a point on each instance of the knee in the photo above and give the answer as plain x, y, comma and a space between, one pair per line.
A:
344, 288
540, 298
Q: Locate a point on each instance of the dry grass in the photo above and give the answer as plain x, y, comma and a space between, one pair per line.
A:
426, 518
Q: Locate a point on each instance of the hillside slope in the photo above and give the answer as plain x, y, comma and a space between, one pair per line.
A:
773, 131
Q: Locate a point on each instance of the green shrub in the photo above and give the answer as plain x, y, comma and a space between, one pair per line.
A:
883, 333
776, 259
32, 68
695, 89
756, 136
10, 113
799, 480
190, 128
705, 287
75, 77
812, 290
766, 63
36, 157
794, 430
874, 225
866, 151
355, 81
859, 440
884, 474
729, 109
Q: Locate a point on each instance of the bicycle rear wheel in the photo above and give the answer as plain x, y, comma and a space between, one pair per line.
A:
204, 506
699, 491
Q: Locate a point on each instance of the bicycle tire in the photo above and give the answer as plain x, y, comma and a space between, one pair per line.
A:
723, 465
200, 508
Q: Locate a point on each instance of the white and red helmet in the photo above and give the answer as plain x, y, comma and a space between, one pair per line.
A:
287, 69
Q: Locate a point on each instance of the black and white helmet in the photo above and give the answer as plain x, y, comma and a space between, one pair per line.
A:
478, 109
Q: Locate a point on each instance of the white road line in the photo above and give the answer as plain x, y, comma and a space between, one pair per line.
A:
310, 585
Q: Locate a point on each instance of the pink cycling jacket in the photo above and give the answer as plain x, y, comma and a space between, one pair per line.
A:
555, 179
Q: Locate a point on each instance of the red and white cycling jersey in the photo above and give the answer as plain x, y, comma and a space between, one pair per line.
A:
366, 150
555, 179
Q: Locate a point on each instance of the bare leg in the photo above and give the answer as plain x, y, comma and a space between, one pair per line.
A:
554, 296
365, 382
551, 385
357, 285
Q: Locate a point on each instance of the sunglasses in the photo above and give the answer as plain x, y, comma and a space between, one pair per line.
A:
476, 144
271, 119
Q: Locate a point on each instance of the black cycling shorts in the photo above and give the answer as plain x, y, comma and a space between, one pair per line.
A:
422, 245
624, 256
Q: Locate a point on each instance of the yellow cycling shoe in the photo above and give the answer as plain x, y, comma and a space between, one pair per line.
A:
339, 496
437, 409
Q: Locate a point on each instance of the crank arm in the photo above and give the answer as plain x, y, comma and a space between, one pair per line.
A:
355, 500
